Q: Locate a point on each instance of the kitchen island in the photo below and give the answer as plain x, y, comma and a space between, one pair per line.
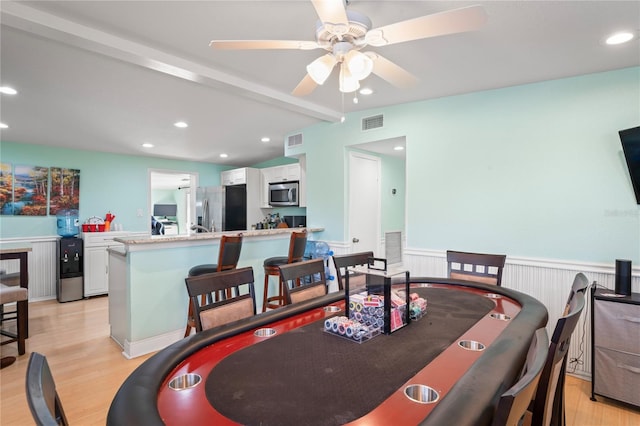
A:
148, 298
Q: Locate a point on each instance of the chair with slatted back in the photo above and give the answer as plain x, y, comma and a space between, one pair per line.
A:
478, 267
343, 261
312, 280
228, 256
231, 308
42, 397
513, 403
297, 246
548, 404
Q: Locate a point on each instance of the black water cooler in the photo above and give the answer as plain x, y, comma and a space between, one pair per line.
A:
70, 282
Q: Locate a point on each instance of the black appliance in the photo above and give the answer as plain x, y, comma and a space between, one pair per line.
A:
70, 280
235, 208
222, 208
296, 221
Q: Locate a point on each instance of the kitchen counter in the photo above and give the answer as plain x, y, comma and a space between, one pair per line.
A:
148, 298
208, 236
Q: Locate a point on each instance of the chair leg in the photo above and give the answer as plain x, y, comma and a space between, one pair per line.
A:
265, 292
187, 330
21, 307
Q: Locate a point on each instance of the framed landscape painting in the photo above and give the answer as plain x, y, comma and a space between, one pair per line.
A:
6, 189
65, 190
30, 190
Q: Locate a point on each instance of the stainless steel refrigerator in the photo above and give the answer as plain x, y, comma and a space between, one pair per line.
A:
222, 208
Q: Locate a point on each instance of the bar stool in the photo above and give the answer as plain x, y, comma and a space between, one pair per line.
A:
297, 245
19, 296
230, 246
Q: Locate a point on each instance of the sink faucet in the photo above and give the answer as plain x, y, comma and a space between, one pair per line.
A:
202, 228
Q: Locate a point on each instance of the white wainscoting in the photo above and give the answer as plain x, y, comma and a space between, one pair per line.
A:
547, 280
42, 266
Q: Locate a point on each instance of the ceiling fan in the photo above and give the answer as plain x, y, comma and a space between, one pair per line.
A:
344, 33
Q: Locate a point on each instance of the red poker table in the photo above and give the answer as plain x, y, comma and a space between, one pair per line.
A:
448, 367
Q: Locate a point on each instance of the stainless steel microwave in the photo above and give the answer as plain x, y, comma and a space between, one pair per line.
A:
284, 193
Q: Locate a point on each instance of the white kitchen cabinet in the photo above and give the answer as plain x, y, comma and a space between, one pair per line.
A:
285, 173
234, 177
265, 179
96, 260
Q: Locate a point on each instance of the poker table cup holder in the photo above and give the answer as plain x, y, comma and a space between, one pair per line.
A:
501, 317
421, 394
471, 345
185, 381
264, 332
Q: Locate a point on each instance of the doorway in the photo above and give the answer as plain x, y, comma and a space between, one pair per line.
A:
167, 187
386, 199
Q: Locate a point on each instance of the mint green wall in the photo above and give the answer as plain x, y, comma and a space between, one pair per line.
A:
393, 206
108, 182
533, 170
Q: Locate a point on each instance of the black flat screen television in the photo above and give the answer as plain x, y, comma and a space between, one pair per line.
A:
163, 210
630, 139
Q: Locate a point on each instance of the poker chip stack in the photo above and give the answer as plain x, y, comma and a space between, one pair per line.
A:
348, 328
367, 310
417, 306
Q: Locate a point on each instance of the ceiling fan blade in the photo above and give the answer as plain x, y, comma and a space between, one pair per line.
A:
449, 22
263, 44
331, 11
306, 86
391, 72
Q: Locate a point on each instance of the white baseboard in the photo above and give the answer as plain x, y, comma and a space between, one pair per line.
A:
151, 344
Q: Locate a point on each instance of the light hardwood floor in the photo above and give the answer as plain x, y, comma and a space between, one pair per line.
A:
88, 368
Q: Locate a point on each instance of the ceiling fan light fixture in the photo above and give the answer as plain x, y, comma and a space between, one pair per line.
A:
348, 83
321, 68
359, 64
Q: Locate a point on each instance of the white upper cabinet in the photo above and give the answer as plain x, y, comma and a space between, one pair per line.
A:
234, 177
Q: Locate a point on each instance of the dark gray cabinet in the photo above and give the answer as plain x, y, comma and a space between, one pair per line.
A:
615, 363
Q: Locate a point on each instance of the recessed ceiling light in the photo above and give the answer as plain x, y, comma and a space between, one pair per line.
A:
366, 91
8, 90
181, 124
619, 38
398, 148
3, 126
223, 155
147, 145
265, 139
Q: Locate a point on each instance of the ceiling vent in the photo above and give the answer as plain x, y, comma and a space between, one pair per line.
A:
294, 140
374, 122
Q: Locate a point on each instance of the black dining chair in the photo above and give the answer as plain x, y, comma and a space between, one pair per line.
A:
311, 276
209, 312
548, 404
580, 284
514, 402
344, 261
478, 267
42, 397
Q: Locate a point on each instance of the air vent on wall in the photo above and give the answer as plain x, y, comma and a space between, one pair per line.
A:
374, 122
294, 140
